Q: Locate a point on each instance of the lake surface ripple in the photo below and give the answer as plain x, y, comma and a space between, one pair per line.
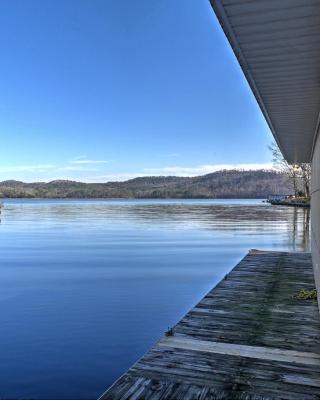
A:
88, 286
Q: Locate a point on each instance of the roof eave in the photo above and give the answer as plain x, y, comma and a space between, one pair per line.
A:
228, 30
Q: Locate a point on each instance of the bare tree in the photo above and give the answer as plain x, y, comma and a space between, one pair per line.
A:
305, 170
299, 174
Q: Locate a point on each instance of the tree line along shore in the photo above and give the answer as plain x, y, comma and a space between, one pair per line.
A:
220, 184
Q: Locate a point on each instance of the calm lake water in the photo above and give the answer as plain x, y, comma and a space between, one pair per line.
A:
88, 286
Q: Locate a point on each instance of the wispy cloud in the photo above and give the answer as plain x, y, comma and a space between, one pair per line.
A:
174, 155
85, 161
112, 177
43, 171
93, 172
26, 168
81, 157
77, 168
204, 169
175, 171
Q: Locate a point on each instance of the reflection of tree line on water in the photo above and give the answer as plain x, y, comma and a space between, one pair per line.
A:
301, 219
209, 216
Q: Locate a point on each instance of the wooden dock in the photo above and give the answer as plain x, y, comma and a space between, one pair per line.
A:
248, 338
289, 203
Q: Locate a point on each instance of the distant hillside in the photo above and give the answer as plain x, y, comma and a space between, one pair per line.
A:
221, 184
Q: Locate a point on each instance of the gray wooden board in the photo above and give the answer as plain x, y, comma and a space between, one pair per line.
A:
248, 338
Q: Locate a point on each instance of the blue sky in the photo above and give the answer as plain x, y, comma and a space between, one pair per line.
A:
100, 90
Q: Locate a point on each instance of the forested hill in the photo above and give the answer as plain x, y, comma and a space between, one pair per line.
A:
221, 184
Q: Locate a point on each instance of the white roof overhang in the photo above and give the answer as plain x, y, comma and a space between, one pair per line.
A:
277, 43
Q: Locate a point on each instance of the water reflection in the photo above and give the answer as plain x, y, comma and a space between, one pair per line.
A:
300, 233
86, 287
232, 215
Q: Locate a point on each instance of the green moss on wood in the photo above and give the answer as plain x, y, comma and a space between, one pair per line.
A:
304, 294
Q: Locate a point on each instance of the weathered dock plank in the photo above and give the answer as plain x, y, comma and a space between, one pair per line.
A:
248, 338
